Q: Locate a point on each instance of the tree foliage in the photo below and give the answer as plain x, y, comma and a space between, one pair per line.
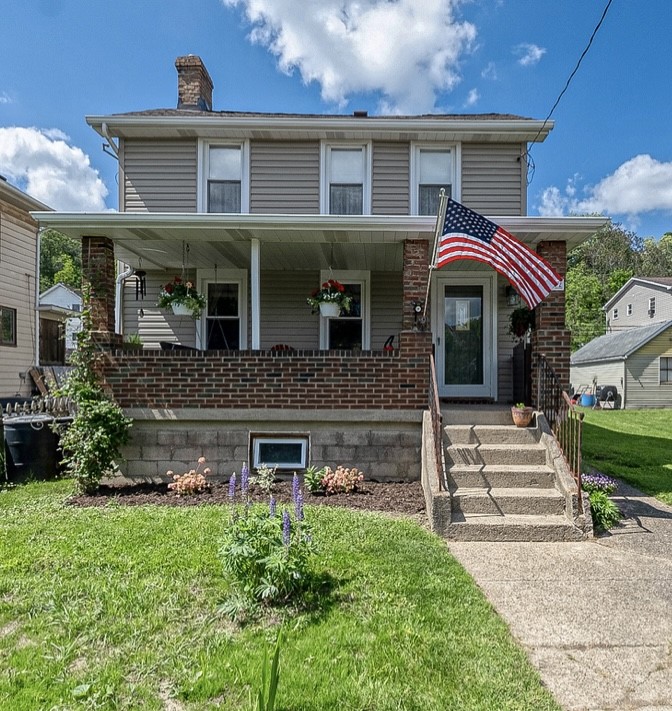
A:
60, 260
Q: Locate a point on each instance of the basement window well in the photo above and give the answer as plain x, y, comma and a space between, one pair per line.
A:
281, 452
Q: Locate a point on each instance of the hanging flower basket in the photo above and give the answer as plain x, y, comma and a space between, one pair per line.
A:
329, 309
181, 298
331, 294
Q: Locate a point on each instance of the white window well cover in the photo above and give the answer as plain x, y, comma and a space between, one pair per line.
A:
280, 452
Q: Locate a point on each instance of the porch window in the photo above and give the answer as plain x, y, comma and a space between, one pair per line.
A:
348, 331
346, 183
432, 168
223, 324
7, 326
223, 171
665, 370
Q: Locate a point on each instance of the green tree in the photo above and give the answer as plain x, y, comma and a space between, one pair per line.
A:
584, 297
60, 260
657, 257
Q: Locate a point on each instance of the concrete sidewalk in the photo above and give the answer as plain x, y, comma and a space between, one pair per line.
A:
594, 617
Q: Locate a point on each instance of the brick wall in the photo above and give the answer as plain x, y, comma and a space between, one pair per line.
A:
551, 336
339, 380
99, 274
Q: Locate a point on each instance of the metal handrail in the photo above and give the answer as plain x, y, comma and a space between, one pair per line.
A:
437, 420
565, 420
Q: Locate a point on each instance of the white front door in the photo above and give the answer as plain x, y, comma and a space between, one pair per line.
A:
464, 326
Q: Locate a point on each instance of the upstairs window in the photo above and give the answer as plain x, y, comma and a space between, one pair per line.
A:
7, 326
666, 370
432, 168
652, 306
346, 182
224, 185
614, 314
629, 309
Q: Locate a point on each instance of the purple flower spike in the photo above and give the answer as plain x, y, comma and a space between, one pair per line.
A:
232, 485
272, 506
286, 527
244, 479
295, 488
298, 506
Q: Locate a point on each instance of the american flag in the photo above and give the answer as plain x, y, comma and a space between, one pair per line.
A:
467, 235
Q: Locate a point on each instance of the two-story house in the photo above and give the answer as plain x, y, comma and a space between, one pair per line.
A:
18, 290
634, 357
257, 210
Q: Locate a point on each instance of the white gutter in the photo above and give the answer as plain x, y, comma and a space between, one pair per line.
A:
106, 134
117, 298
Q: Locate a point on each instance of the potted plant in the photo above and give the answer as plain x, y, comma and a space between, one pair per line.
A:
521, 320
522, 415
330, 299
182, 298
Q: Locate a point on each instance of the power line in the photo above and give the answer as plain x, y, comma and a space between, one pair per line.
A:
564, 89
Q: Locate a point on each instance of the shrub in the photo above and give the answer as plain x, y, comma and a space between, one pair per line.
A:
341, 481
264, 479
266, 554
191, 482
313, 479
606, 513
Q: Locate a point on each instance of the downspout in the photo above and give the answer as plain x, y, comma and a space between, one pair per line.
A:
117, 298
104, 130
624, 382
37, 297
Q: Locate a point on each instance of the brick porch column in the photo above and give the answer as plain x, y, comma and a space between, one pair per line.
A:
550, 337
98, 271
415, 276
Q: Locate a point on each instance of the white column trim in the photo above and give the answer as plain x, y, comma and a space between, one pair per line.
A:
255, 284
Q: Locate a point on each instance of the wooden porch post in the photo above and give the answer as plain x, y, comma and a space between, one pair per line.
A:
551, 336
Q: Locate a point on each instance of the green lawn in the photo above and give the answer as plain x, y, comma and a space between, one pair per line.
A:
117, 608
634, 445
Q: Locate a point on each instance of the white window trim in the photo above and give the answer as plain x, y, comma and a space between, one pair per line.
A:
301, 440
456, 178
325, 149
204, 166
346, 276
228, 276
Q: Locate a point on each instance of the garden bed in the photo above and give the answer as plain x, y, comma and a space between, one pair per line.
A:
400, 498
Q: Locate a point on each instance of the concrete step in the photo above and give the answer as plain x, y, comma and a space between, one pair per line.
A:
498, 476
476, 415
543, 502
512, 453
492, 527
489, 434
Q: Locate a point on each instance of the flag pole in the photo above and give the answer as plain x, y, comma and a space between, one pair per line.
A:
440, 220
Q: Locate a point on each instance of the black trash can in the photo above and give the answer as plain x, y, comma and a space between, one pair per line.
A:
32, 448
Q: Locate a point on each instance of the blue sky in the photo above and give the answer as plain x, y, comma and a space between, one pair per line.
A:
610, 152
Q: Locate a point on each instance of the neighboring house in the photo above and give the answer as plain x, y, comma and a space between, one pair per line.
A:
259, 209
637, 361
18, 289
640, 302
59, 308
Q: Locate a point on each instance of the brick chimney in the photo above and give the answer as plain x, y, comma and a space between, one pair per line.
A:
194, 85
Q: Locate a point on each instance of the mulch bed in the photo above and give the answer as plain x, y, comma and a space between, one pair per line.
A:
406, 499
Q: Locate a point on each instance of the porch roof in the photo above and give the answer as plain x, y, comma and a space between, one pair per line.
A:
157, 237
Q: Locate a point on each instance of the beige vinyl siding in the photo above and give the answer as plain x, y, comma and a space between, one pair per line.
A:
643, 374
386, 308
493, 181
607, 373
285, 315
390, 194
159, 176
285, 177
638, 295
156, 324
18, 249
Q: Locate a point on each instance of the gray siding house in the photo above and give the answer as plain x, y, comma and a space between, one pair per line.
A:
257, 210
637, 361
640, 302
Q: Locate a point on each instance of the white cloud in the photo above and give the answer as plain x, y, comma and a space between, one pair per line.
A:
42, 163
407, 51
472, 98
489, 71
640, 185
529, 54
5, 98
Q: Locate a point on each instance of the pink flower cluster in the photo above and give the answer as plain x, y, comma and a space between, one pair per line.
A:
191, 482
341, 481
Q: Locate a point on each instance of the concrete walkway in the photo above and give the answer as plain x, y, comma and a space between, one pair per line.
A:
594, 617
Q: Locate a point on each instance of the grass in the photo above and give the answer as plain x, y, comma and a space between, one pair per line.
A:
117, 608
634, 445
